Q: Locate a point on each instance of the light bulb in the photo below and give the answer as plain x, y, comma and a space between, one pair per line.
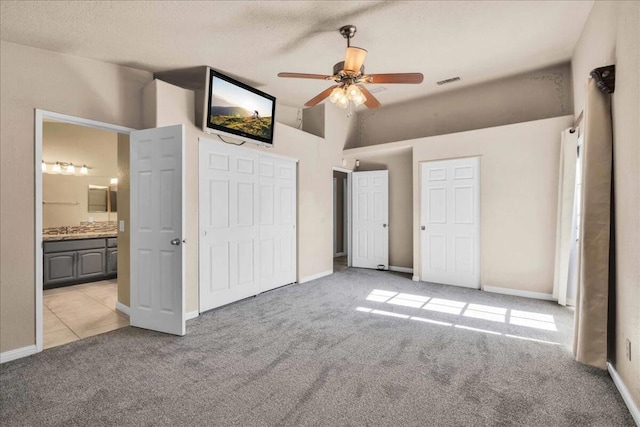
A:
56, 168
84, 170
44, 166
336, 95
353, 92
343, 103
359, 100
71, 168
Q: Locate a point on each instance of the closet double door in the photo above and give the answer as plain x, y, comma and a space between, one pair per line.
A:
247, 223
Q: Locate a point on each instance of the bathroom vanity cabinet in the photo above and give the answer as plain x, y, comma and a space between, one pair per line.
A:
69, 262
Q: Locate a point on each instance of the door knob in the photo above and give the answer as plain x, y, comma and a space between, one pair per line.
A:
175, 242
423, 228
384, 225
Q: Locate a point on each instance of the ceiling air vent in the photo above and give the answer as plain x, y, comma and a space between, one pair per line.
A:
451, 80
377, 89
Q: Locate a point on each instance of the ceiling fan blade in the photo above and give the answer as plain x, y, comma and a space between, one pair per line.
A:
320, 97
354, 59
371, 101
305, 76
394, 78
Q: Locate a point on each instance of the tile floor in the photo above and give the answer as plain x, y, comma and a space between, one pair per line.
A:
75, 312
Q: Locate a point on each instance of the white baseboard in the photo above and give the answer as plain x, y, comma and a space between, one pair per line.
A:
339, 254
415, 278
624, 392
126, 310
122, 308
517, 293
401, 269
18, 353
315, 276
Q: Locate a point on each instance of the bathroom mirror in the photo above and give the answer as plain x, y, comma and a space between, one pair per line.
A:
98, 198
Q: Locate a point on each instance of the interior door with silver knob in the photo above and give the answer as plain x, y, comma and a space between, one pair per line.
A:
450, 218
370, 219
157, 273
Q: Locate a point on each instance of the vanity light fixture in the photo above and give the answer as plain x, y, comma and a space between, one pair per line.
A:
64, 168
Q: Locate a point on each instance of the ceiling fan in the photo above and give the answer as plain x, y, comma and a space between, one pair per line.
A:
350, 78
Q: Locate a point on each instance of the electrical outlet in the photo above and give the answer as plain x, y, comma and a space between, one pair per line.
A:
627, 349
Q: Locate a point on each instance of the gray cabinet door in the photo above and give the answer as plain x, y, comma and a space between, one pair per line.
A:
91, 263
59, 267
112, 261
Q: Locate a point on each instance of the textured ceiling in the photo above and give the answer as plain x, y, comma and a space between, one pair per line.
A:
253, 41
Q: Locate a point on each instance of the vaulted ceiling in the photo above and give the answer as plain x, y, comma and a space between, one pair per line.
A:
254, 40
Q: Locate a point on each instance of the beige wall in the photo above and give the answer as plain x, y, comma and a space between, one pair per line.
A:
399, 164
33, 78
313, 120
525, 97
169, 105
611, 36
69, 190
79, 145
124, 196
290, 116
518, 186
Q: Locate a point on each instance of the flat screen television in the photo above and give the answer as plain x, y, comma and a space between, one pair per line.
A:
238, 110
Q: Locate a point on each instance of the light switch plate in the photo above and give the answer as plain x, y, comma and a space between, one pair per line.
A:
122, 225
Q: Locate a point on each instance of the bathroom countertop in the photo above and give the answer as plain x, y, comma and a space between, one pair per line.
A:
78, 236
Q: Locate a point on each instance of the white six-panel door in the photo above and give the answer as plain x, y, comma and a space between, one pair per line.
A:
247, 223
277, 207
370, 225
157, 281
228, 216
450, 222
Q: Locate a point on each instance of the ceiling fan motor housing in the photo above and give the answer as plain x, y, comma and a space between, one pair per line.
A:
339, 67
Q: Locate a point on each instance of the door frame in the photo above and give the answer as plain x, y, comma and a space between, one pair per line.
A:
346, 230
40, 117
